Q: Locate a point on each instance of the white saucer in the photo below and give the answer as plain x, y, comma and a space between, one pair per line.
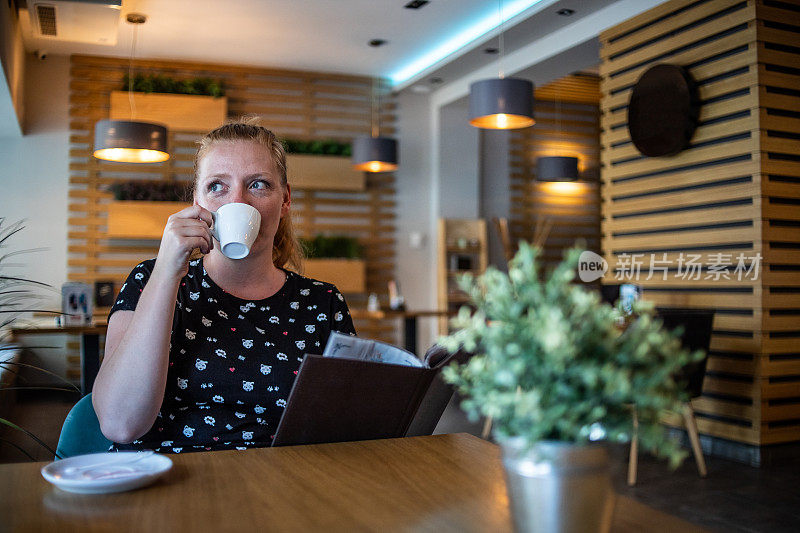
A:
99, 473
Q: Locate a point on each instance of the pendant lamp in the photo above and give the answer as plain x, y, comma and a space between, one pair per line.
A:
557, 168
501, 103
131, 141
375, 153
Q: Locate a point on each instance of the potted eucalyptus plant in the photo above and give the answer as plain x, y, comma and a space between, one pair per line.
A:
560, 375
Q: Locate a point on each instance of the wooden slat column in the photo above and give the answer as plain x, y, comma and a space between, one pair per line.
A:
778, 40
729, 202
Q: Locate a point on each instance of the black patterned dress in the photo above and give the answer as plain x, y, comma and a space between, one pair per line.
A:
232, 362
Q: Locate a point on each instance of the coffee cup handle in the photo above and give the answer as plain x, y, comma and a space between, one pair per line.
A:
214, 230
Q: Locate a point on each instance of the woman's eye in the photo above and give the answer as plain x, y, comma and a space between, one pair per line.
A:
259, 184
214, 186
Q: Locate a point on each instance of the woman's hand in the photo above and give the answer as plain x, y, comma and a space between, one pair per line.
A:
185, 230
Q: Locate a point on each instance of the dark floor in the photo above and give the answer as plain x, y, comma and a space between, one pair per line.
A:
733, 498
41, 413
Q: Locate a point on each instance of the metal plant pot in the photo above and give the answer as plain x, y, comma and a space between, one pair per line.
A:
558, 487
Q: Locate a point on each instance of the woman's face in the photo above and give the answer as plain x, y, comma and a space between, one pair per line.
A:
244, 172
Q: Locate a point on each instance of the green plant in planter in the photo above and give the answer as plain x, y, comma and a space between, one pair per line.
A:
333, 246
151, 191
159, 83
552, 363
327, 147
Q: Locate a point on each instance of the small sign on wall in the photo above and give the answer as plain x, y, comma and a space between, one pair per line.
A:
76, 303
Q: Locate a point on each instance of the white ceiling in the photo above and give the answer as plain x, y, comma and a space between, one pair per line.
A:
320, 35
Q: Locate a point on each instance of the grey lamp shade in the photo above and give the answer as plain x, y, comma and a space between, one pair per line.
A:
557, 168
130, 141
375, 154
501, 103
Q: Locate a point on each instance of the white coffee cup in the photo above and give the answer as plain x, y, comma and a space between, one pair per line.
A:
236, 228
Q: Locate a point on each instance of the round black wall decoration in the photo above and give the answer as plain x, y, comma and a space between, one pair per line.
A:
663, 110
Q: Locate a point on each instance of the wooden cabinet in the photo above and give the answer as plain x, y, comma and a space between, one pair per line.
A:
462, 249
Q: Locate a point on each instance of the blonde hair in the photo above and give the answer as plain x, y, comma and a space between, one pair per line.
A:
286, 248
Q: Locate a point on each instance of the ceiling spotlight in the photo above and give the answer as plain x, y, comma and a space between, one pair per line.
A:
566, 12
136, 18
415, 4
436, 81
377, 42
491, 50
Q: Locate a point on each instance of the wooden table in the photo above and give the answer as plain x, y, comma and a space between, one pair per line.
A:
90, 347
435, 483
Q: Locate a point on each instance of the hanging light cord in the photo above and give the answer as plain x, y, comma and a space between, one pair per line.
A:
131, 100
501, 40
558, 108
376, 128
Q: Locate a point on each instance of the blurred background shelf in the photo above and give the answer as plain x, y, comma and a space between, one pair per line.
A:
463, 248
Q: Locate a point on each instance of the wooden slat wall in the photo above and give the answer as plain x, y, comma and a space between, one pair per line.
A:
778, 38
567, 124
735, 190
298, 105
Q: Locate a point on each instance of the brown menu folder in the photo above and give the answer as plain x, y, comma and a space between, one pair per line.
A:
335, 400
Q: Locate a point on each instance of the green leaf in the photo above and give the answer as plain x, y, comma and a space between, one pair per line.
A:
160, 83
335, 246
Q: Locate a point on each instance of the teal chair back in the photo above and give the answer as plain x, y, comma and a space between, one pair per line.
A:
81, 433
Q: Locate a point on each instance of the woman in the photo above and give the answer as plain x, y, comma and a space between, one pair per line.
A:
201, 354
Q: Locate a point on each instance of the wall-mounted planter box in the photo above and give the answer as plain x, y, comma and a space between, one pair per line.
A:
140, 220
179, 112
324, 172
347, 274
